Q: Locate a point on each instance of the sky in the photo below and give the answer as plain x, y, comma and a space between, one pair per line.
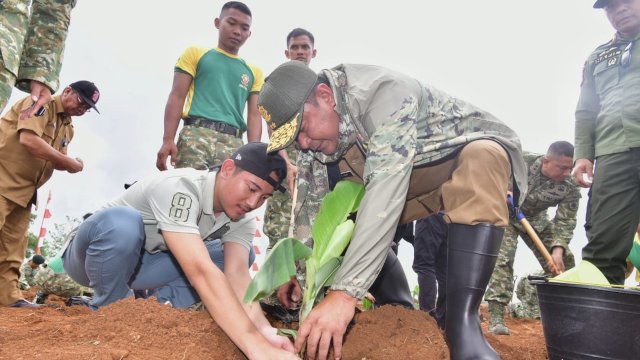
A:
520, 60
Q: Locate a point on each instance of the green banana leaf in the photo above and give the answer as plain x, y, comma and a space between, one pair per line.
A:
277, 269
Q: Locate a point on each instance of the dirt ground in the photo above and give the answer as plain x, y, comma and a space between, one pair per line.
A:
145, 329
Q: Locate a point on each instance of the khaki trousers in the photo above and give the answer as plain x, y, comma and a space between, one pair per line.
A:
471, 188
14, 222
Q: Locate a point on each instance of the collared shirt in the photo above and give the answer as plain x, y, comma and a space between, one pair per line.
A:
22, 173
403, 124
608, 110
181, 200
545, 193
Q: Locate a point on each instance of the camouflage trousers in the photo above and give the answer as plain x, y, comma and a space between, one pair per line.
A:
277, 215
502, 281
60, 284
529, 307
7, 81
202, 148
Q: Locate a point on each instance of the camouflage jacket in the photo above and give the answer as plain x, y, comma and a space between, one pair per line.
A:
27, 274
32, 46
402, 124
543, 194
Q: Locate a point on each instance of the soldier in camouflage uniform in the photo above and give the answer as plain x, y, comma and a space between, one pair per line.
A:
53, 279
211, 87
28, 271
550, 185
28, 59
529, 307
277, 216
418, 151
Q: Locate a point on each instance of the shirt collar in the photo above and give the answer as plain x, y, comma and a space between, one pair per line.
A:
207, 192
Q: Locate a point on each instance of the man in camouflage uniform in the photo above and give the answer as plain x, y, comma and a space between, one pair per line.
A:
529, 306
29, 60
211, 88
277, 216
28, 271
52, 279
550, 185
418, 151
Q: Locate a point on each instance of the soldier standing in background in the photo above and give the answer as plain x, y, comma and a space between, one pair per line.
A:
210, 90
607, 132
550, 185
29, 60
277, 216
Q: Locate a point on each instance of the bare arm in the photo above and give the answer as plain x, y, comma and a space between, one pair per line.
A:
39, 148
172, 116
236, 269
218, 296
254, 120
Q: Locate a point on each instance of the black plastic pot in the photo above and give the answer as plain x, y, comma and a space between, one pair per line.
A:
589, 322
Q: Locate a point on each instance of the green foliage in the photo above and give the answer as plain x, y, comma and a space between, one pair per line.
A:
56, 237
367, 304
331, 234
32, 240
277, 269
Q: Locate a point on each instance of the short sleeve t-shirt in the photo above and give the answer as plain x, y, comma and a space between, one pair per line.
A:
181, 200
222, 83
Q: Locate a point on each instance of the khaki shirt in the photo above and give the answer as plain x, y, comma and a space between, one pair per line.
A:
608, 111
402, 124
21, 173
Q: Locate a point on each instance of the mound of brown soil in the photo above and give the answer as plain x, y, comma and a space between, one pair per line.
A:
145, 329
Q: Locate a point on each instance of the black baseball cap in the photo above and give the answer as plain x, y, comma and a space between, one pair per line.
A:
88, 92
38, 259
253, 157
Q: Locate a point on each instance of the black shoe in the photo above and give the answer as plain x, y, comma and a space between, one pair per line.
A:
22, 303
279, 312
472, 254
40, 298
78, 300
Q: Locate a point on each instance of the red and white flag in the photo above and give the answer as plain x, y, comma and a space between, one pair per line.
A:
43, 229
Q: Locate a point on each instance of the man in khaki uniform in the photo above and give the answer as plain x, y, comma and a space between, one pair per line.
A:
31, 149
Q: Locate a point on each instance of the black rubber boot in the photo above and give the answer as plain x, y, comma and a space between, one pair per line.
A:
472, 254
391, 286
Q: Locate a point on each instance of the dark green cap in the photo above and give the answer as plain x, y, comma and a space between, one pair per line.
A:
599, 4
281, 101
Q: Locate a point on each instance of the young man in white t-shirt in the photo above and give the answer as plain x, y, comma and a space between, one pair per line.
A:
165, 233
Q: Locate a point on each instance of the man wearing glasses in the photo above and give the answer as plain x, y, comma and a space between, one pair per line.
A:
31, 149
607, 132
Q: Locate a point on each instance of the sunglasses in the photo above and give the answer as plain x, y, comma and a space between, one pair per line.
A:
83, 104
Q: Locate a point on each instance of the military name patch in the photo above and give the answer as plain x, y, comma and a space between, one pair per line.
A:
610, 55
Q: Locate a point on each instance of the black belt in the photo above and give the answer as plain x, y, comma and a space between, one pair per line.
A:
214, 125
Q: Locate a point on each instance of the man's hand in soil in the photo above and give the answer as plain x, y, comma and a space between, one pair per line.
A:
290, 294
325, 324
282, 342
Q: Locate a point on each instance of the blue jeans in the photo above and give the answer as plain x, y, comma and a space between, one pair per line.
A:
107, 254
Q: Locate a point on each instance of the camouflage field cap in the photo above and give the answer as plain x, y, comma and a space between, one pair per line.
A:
281, 101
